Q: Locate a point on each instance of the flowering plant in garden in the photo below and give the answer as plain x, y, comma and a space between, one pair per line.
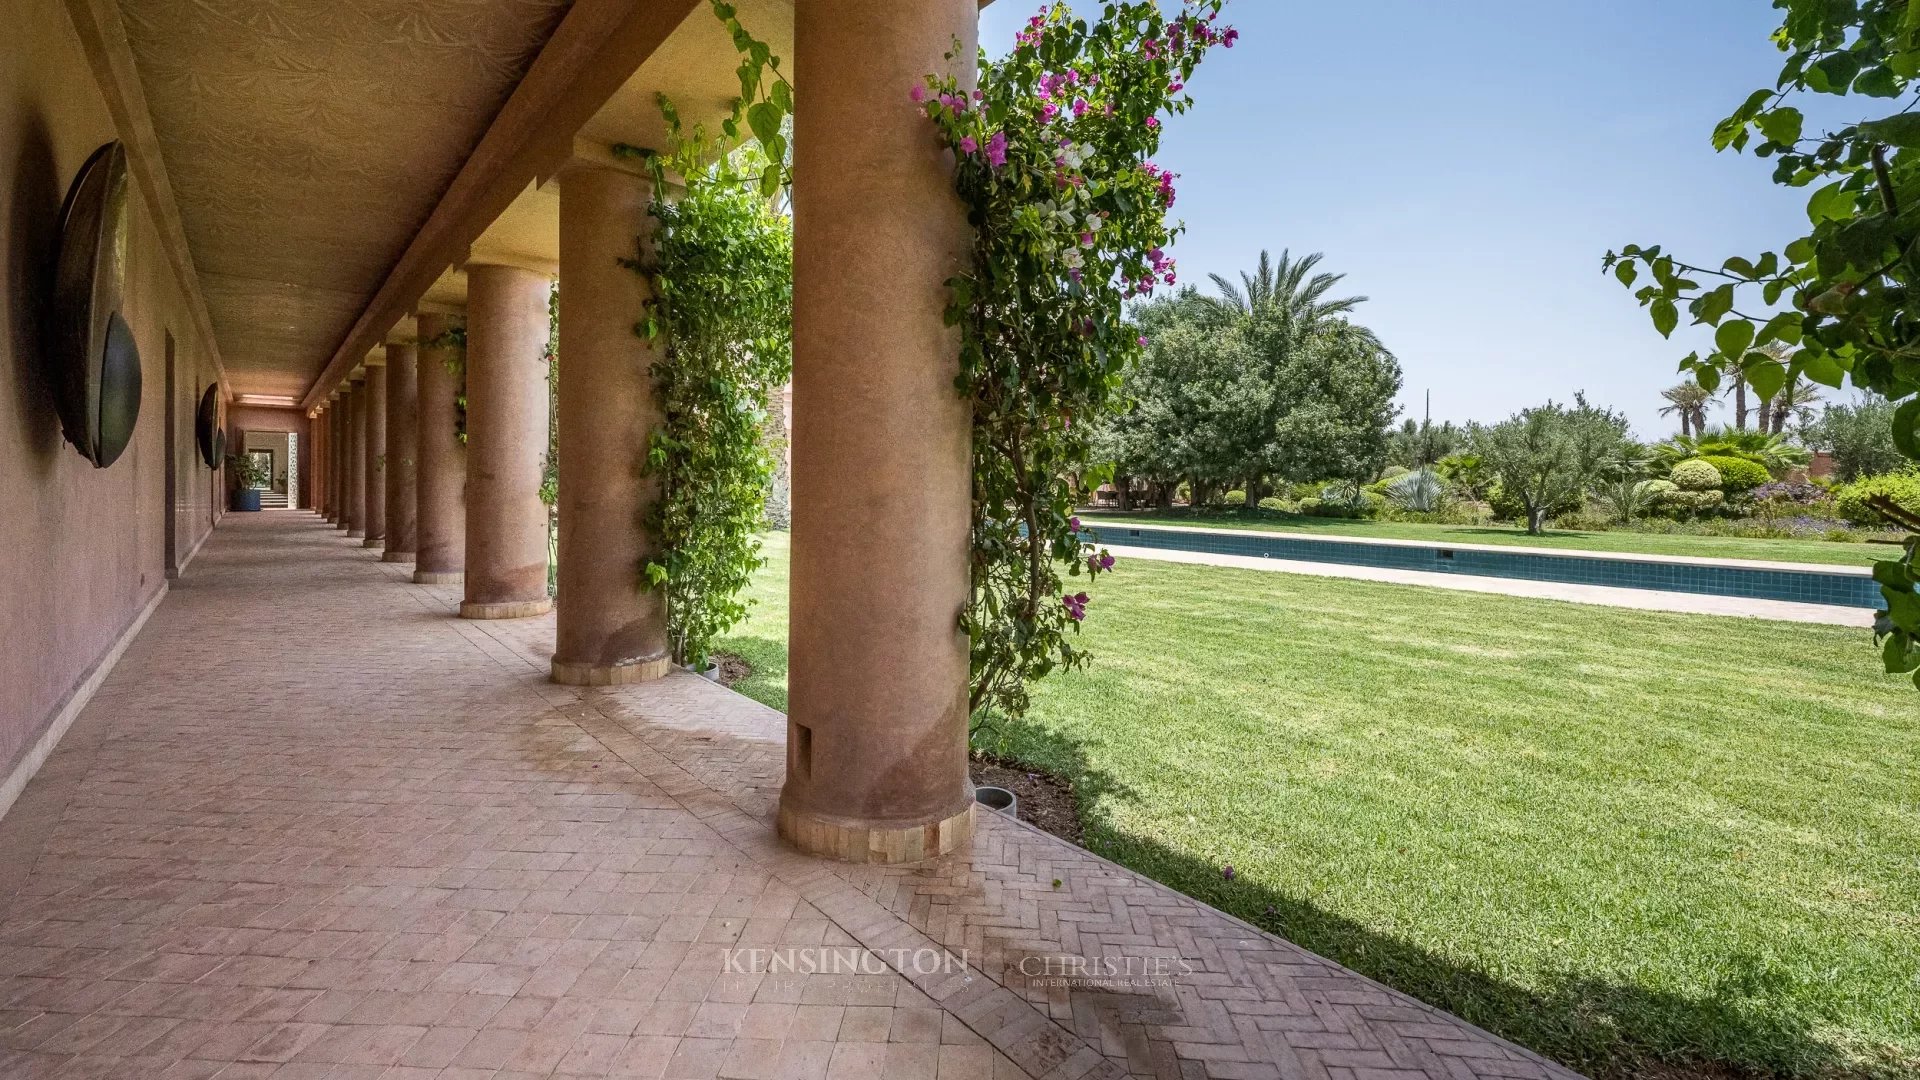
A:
722, 316
1053, 159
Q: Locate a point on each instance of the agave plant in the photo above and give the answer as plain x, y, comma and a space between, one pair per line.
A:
1421, 490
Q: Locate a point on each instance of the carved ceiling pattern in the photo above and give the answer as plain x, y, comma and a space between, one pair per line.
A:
308, 140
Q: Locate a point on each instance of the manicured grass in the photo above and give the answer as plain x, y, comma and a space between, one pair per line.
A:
1617, 837
1709, 547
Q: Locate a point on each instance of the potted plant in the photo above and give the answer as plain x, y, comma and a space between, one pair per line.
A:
248, 475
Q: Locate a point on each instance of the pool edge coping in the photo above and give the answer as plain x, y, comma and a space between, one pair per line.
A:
1835, 569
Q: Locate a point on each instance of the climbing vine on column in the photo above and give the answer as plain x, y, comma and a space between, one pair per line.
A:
722, 317
1053, 159
454, 341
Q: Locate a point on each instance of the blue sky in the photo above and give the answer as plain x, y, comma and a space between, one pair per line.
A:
1467, 163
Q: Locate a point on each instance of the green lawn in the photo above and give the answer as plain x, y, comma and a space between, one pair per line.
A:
1711, 547
1613, 836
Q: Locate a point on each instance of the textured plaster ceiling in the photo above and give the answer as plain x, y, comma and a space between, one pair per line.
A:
306, 142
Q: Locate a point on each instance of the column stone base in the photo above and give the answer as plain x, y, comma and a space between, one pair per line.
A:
373, 541
853, 842
399, 556
355, 534
645, 669
510, 609
439, 577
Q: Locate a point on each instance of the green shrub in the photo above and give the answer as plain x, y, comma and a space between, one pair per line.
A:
1235, 497
1696, 474
1903, 487
1586, 519
1692, 502
1738, 475
1272, 503
1367, 505
1506, 508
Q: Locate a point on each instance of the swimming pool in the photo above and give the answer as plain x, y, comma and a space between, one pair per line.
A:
1839, 586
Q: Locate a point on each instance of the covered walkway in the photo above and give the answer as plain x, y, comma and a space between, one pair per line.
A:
313, 825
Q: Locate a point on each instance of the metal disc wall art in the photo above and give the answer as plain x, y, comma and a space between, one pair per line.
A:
210, 427
95, 361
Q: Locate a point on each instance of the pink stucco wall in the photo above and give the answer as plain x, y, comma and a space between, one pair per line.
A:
82, 550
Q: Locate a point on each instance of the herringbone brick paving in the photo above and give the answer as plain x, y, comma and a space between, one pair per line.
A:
313, 826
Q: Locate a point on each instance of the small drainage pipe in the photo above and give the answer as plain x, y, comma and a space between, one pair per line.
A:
997, 798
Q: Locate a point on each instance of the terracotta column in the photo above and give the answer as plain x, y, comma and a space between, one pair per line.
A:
342, 439
376, 451
609, 630
440, 495
316, 451
357, 463
877, 731
506, 442
402, 451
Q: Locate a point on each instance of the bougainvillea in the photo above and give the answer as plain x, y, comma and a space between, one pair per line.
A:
1053, 160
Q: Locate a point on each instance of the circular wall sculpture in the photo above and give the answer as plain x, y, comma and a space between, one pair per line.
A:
95, 362
210, 428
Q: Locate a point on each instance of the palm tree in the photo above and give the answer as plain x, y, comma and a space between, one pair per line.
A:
1795, 401
1289, 289
1689, 401
1770, 451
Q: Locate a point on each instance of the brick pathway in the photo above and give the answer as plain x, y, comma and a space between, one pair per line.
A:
314, 827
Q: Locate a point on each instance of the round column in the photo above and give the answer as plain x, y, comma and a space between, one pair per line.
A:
337, 454
877, 730
402, 451
609, 631
316, 454
376, 452
440, 490
506, 442
357, 462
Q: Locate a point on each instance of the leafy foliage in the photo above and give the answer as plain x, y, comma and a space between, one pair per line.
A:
1738, 475
1847, 291
1859, 436
1696, 474
1863, 501
1546, 457
1424, 442
1267, 381
1771, 452
722, 316
1052, 160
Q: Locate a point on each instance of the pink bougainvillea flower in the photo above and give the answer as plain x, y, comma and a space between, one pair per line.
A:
1143, 341
918, 93
1153, 123
969, 145
1073, 523
1229, 37
1079, 106
997, 149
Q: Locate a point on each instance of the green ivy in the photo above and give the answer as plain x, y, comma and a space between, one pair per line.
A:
454, 340
722, 317
1052, 159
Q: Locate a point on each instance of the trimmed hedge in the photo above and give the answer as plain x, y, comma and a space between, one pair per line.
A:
1738, 475
1696, 474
